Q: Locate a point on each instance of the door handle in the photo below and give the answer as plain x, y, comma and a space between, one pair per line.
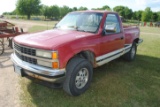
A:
122, 38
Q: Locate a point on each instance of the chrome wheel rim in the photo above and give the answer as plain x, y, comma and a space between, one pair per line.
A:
82, 78
133, 51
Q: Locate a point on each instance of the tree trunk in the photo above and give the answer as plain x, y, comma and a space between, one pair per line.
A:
28, 16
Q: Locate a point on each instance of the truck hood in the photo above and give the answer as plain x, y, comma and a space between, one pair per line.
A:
49, 39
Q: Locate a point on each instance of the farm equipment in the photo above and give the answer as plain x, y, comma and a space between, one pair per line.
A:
8, 31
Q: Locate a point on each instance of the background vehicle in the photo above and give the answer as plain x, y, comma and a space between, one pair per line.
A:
80, 42
1, 16
157, 24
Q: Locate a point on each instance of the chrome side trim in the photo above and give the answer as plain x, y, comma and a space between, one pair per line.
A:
127, 48
108, 55
36, 68
108, 59
101, 60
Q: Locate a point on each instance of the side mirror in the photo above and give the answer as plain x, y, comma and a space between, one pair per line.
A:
110, 28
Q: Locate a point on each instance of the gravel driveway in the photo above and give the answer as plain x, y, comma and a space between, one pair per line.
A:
9, 81
9, 87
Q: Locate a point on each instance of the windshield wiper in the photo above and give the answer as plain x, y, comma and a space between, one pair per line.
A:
84, 30
65, 27
75, 27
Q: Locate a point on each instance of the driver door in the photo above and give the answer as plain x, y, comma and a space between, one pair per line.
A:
112, 41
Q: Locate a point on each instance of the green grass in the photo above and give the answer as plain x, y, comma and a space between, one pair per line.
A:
116, 84
150, 30
47, 23
46, 26
39, 28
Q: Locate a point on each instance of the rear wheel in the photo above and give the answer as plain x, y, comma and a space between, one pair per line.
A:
78, 76
130, 56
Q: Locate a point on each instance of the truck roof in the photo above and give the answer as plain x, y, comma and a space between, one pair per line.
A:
95, 11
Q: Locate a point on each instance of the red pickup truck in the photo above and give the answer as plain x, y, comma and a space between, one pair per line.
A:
68, 53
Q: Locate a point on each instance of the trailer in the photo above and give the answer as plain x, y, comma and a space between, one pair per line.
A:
7, 32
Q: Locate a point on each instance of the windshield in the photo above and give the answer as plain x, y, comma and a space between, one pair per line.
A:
86, 22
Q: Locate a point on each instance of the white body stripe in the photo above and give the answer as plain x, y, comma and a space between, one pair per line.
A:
101, 60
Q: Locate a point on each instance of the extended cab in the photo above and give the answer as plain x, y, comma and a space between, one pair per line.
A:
68, 53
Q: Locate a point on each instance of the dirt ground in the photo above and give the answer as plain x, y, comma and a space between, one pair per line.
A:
9, 87
9, 81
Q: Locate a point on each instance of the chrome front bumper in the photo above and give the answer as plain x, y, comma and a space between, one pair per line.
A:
39, 72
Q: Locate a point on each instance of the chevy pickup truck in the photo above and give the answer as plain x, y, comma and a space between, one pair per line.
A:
68, 53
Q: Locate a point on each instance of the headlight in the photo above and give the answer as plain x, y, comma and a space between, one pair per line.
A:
54, 65
48, 54
44, 63
43, 54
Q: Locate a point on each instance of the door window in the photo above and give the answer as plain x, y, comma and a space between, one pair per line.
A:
112, 21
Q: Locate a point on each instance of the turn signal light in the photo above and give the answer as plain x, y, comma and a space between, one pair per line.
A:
55, 65
54, 55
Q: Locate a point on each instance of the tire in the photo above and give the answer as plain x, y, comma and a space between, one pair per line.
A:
1, 47
79, 73
130, 56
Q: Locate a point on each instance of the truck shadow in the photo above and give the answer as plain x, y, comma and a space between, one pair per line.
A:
114, 76
5, 58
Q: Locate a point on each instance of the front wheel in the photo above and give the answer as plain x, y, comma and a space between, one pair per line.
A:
130, 56
78, 76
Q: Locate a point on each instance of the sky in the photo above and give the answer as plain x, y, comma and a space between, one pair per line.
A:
10, 5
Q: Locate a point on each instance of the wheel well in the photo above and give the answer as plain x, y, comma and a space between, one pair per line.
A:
136, 40
88, 55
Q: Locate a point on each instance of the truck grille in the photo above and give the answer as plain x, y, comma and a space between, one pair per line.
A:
25, 50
